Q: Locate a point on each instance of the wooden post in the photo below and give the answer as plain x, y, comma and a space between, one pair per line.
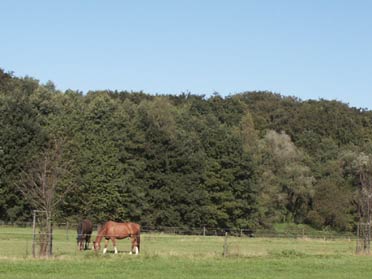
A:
67, 230
50, 238
225, 246
204, 231
27, 247
33, 234
368, 238
357, 240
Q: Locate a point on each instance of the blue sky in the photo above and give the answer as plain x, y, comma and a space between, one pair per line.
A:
310, 49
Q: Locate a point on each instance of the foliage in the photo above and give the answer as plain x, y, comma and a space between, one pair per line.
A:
247, 160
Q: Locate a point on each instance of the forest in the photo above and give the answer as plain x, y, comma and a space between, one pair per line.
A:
247, 160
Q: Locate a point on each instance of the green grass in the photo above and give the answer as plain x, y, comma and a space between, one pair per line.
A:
124, 266
172, 256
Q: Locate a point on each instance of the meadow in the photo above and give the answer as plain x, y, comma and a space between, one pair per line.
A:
181, 256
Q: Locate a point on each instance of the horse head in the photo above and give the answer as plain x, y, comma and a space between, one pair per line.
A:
96, 245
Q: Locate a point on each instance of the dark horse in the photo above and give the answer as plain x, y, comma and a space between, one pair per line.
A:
114, 230
84, 231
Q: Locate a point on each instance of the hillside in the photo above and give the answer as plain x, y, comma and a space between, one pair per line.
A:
246, 160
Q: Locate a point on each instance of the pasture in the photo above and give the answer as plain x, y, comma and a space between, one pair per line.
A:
179, 256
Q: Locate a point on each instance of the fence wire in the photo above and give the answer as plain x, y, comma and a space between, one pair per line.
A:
16, 241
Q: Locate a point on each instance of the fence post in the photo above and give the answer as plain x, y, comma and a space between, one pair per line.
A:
50, 253
225, 246
368, 238
33, 234
27, 247
67, 227
204, 231
49, 236
357, 241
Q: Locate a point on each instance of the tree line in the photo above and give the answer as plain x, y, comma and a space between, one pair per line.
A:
247, 160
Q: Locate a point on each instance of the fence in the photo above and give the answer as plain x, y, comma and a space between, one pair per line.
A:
70, 229
16, 241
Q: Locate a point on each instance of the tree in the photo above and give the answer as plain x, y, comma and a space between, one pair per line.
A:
363, 165
41, 187
21, 138
286, 181
331, 205
174, 165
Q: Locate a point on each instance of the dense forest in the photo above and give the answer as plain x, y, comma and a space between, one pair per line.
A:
247, 160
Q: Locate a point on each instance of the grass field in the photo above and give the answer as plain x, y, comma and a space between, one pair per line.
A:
174, 256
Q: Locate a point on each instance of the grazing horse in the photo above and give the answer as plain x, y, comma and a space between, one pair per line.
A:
114, 230
84, 231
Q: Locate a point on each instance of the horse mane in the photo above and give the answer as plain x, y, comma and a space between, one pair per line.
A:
101, 231
103, 227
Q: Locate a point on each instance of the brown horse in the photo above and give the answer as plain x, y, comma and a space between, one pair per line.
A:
84, 232
114, 230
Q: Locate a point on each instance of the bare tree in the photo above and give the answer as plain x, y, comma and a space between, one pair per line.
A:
363, 165
41, 185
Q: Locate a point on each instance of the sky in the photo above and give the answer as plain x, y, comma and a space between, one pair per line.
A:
309, 49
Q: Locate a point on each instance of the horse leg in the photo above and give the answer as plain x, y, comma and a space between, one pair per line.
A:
106, 244
113, 239
138, 241
134, 247
87, 242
